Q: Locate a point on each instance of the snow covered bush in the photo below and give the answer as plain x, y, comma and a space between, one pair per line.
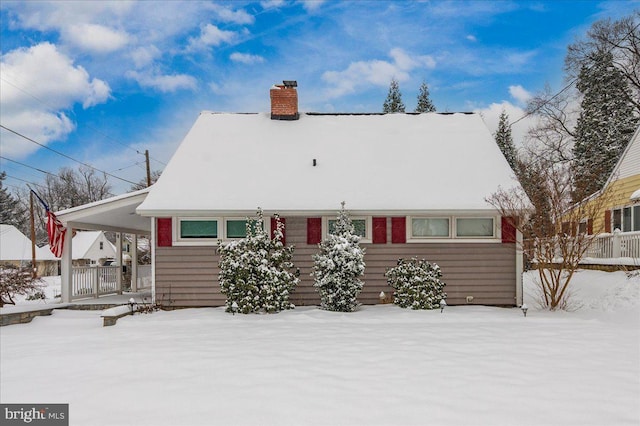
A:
417, 284
256, 272
339, 265
17, 281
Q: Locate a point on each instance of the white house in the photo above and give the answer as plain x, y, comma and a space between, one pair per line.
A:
92, 248
15, 249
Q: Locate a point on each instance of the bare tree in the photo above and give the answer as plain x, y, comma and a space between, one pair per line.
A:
142, 183
556, 241
622, 39
69, 188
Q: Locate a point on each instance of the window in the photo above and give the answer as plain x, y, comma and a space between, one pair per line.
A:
198, 228
617, 220
475, 227
101, 245
626, 219
361, 227
636, 218
432, 227
236, 228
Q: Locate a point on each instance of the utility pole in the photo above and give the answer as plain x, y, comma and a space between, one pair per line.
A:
34, 271
146, 156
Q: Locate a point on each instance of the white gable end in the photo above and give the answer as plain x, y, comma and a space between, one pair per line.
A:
394, 162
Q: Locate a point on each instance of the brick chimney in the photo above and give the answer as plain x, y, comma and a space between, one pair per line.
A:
284, 101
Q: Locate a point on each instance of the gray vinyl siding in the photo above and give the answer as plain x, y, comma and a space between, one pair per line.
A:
188, 276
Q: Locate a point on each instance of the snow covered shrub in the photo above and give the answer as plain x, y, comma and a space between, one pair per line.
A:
256, 272
417, 284
338, 265
16, 281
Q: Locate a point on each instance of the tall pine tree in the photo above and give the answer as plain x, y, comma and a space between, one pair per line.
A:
424, 101
504, 139
393, 103
605, 124
11, 211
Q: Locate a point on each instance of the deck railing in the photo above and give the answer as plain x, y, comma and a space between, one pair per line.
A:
94, 281
615, 245
144, 277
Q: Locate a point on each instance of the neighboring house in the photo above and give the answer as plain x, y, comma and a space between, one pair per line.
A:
415, 185
15, 249
92, 248
617, 222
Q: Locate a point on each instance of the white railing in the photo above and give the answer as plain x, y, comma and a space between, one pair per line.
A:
144, 277
94, 281
616, 245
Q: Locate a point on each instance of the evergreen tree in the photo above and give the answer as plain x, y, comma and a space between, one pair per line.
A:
256, 272
393, 103
605, 124
338, 266
11, 211
505, 141
424, 101
417, 284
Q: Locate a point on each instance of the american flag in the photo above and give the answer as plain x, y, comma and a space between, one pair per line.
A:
56, 232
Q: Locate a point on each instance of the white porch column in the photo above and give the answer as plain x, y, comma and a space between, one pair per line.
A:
119, 261
134, 263
152, 246
66, 270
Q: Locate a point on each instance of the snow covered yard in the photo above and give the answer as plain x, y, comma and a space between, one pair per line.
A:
382, 365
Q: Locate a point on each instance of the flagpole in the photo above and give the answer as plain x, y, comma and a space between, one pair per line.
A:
34, 271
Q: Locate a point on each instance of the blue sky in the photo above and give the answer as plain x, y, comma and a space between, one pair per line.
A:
103, 81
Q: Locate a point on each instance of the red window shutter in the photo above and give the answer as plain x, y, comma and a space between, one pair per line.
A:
398, 230
314, 230
274, 224
508, 230
379, 230
590, 226
607, 221
164, 232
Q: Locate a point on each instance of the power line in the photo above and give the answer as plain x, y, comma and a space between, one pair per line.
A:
65, 155
26, 165
25, 181
51, 107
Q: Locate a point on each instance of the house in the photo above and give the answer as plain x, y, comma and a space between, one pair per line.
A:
616, 224
92, 248
15, 249
414, 184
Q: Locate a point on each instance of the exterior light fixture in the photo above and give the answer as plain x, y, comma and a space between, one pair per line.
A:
524, 308
442, 305
234, 308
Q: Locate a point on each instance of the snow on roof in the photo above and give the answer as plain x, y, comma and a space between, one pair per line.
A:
393, 162
82, 242
14, 245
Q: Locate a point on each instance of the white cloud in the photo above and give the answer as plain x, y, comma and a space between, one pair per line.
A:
164, 83
491, 113
272, 4
95, 38
375, 72
227, 14
520, 94
33, 106
144, 55
472, 38
246, 58
211, 35
311, 5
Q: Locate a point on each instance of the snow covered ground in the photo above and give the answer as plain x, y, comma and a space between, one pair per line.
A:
382, 365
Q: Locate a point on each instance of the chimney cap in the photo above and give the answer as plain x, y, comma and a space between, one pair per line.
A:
290, 83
